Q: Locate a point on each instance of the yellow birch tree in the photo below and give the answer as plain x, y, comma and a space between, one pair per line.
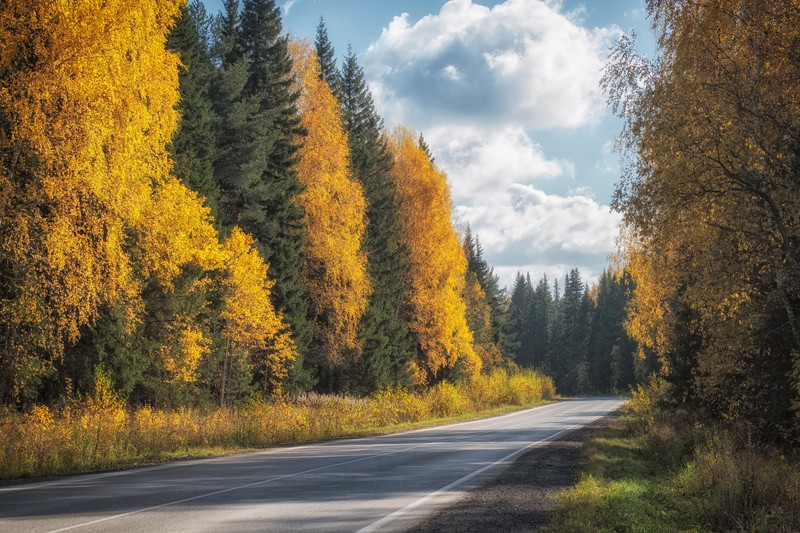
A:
335, 269
438, 265
253, 331
87, 106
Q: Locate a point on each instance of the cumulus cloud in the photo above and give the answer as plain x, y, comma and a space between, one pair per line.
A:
482, 84
496, 180
521, 60
528, 221
482, 161
522, 225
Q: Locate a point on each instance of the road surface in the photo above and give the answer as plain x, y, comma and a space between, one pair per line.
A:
385, 483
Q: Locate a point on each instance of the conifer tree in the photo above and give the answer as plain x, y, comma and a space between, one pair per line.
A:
570, 341
530, 311
425, 148
193, 144
519, 317
479, 312
540, 311
384, 330
257, 155
495, 294
610, 350
327, 60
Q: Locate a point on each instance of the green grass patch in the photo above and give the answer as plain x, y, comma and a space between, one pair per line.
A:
652, 470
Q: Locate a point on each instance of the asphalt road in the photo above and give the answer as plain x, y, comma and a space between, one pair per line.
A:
386, 483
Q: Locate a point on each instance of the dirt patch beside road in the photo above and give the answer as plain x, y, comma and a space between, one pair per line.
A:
523, 497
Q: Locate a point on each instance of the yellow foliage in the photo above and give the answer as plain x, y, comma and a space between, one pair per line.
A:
87, 96
178, 231
98, 431
252, 328
437, 265
335, 269
479, 320
192, 347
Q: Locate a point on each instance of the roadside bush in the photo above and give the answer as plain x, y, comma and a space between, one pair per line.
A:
99, 431
658, 468
446, 399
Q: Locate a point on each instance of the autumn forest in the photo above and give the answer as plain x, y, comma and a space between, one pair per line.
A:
200, 211
206, 209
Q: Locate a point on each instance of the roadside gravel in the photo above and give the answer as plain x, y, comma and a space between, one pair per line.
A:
523, 497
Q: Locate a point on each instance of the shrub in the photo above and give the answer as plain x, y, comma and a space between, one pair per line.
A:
99, 431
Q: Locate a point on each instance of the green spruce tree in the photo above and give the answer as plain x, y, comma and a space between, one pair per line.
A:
384, 331
193, 144
542, 301
258, 127
327, 60
520, 319
495, 294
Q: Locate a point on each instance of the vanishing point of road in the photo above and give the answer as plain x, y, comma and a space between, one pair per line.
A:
385, 483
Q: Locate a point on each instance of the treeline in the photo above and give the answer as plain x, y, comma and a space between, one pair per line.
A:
711, 199
576, 333
204, 211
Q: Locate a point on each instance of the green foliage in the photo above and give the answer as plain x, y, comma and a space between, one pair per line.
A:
327, 61
193, 143
578, 337
663, 470
384, 330
259, 130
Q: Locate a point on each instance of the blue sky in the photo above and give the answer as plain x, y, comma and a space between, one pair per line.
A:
506, 95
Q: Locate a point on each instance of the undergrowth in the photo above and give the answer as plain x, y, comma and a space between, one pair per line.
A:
101, 432
654, 469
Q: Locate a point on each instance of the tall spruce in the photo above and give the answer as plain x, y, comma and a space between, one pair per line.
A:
541, 303
480, 313
327, 60
610, 350
240, 124
388, 348
257, 153
193, 143
568, 355
495, 294
519, 317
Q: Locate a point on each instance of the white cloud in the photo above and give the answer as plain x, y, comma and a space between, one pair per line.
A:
522, 60
482, 83
482, 162
287, 6
529, 222
495, 179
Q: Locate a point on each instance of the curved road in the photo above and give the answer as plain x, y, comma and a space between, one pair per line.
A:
385, 483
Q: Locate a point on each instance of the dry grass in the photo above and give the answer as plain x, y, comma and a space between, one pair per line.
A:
660, 470
100, 432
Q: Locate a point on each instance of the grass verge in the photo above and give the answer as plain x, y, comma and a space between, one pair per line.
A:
652, 470
100, 432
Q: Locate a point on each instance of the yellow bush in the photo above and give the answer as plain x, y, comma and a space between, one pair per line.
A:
99, 431
446, 399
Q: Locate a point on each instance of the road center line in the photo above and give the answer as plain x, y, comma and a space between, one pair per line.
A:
254, 484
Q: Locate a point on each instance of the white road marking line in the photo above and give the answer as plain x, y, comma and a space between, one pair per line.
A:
375, 526
256, 483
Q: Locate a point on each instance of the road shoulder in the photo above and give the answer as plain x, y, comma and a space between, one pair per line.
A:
524, 496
